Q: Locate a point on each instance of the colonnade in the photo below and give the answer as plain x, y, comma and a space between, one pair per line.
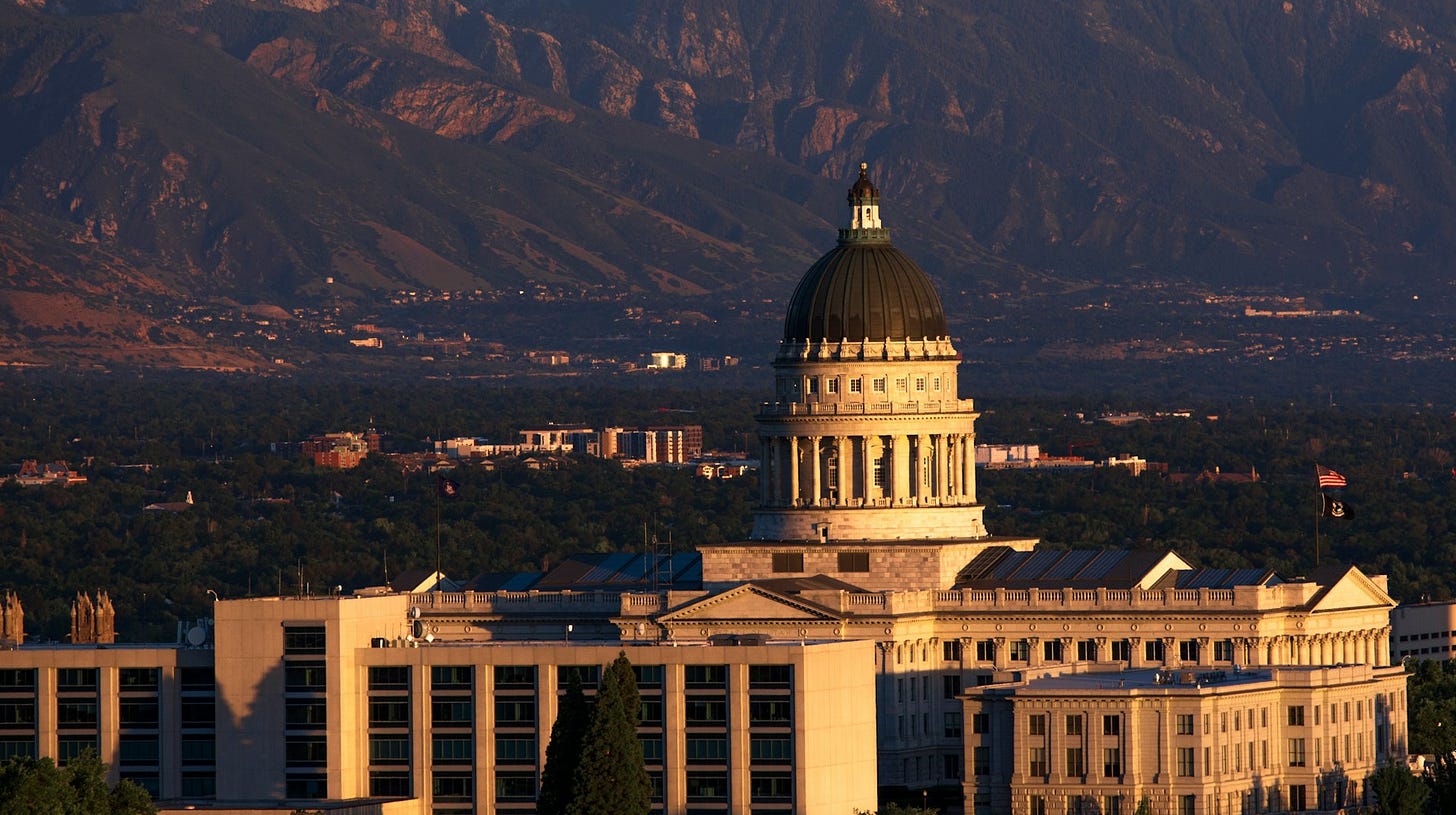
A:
926, 469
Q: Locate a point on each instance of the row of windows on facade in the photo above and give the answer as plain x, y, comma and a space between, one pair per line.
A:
310, 676
1335, 795
879, 384
458, 787
1086, 650
1186, 758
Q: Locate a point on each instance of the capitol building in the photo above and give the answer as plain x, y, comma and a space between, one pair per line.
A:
870, 633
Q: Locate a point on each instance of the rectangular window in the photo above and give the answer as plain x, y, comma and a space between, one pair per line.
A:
75, 715
17, 679
445, 750
771, 749
707, 750
508, 712
198, 751
1075, 763
981, 760
788, 562
452, 677
1112, 724
878, 384
980, 723
509, 750
650, 676
388, 714
137, 714
770, 786
68, 679
304, 639
813, 385
770, 711
1074, 724
515, 677
985, 650
138, 750
16, 747
1153, 650
1185, 762
1111, 762
706, 786
138, 678
1223, 651
17, 714
953, 725
1121, 651
306, 715
1297, 801
1038, 805
1187, 804
920, 384
706, 712
308, 677
832, 385
1112, 805
389, 677
854, 561
1296, 752
1020, 651
951, 686
1086, 650
454, 787
389, 750
306, 786
389, 784
1188, 650
455, 712
306, 751
1051, 650
1037, 761
1185, 724
769, 676
706, 676
950, 650
1036, 724
854, 385
1296, 715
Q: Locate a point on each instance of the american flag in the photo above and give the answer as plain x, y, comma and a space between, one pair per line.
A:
1328, 478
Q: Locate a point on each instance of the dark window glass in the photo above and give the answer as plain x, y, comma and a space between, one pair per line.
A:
788, 562
648, 676
73, 715
515, 712
306, 751
706, 712
306, 786
17, 713
705, 676
771, 786
137, 714
452, 677
389, 677
138, 750
199, 785
72, 747
769, 676
305, 676
707, 786
197, 714
453, 788
139, 678
76, 679
589, 675
13, 746
770, 711
515, 750
304, 639
388, 714
196, 679
17, 678
306, 715
854, 561
651, 712
452, 751
515, 677
515, 786
389, 750
389, 784
771, 749
198, 750
454, 712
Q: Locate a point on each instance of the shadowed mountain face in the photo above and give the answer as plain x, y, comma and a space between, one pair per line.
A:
251, 151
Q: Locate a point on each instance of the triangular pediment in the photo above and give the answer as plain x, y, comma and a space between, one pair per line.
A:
748, 602
1352, 590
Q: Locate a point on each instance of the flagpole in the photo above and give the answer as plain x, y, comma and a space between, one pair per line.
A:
1319, 509
437, 533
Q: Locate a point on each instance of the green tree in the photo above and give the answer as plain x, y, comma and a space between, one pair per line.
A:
1397, 792
563, 753
35, 786
612, 778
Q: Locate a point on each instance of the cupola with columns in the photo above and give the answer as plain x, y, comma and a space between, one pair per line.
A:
867, 450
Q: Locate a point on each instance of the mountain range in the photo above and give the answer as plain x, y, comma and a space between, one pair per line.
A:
290, 154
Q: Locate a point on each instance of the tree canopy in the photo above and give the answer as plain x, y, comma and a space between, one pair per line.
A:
612, 776
36, 786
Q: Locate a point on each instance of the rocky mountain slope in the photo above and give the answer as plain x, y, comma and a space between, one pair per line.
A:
255, 150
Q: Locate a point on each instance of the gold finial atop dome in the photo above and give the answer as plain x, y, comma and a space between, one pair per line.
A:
864, 201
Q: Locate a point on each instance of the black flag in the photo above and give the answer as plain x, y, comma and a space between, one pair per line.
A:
1335, 508
446, 487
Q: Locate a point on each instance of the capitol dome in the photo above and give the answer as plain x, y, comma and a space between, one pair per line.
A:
864, 289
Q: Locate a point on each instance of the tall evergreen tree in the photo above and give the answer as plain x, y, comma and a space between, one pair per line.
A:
612, 778
563, 753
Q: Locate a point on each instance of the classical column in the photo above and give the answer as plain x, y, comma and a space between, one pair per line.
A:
1134, 652
968, 467
765, 470
924, 454
816, 480
793, 471
867, 468
1168, 655
901, 459
1001, 656
1382, 645
843, 472
942, 467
